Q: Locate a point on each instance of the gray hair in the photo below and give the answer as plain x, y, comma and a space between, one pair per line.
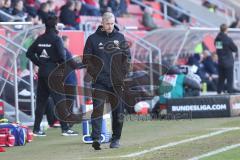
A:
107, 16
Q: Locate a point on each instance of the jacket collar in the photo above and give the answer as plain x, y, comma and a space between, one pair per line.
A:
102, 32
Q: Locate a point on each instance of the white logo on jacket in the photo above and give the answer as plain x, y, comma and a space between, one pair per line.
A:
100, 45
45, 45
44, 54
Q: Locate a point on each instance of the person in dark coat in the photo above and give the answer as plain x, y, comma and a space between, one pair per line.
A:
7, 7
71, 78
18, 9
3, 18
68, 16
119, 7
225, 48
175, 14
47, 52
43, 12
106, 56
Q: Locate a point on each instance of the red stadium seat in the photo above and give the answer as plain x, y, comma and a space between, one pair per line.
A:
208, 40
130, 22
134, 9
140, 34
162, 23
91, 20
85, 19
156, 6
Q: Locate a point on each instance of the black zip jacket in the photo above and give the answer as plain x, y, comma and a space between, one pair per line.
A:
47, 52
225, 46
107, 57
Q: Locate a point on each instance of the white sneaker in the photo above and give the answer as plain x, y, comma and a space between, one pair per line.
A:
69, 133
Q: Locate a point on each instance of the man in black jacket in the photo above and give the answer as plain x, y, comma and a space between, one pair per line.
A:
106, 55
225, 46
47, 52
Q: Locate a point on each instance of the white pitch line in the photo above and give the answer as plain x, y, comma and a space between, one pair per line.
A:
216, 152
234, 128
177, 143
172, 144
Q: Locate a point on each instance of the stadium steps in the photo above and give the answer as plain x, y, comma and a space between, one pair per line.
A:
215, 20
234, 4
135, 17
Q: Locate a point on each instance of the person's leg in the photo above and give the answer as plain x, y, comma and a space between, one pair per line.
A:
61, 107
71, 94
99, 97
229, 77
41, 102
117, 117
50, 113
58, 97
117, 120
221, 79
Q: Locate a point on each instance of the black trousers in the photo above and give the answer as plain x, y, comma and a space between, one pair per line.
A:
225, 73
114, 96
51, 118
43, 92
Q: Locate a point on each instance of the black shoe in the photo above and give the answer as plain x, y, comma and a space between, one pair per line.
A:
115, 143
39, 134
96, 145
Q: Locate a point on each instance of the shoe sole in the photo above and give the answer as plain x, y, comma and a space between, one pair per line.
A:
114, 147
67, 135
36, 135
